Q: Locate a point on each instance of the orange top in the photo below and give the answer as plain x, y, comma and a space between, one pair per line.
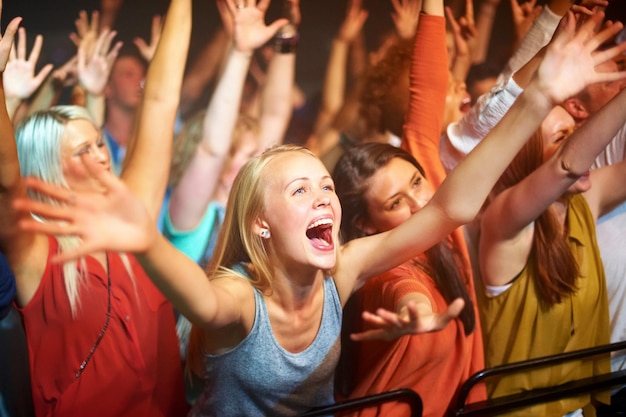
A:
436, 364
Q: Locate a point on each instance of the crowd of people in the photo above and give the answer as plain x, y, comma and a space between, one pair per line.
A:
165, 255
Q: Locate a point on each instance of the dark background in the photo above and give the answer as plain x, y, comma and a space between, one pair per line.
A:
320, 21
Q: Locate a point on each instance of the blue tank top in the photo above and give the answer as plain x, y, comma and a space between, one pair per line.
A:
260, 378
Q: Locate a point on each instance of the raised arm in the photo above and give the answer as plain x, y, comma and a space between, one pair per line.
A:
277, 90
335, 99
428, 89
334, 85
94, 63
465, 38
568, 66
484, 26
193, 193
151, 146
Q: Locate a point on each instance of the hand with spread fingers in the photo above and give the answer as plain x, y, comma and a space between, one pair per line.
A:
248, 20
94, 69
97, 218
413, 318
20, 79
147, 49
405, 17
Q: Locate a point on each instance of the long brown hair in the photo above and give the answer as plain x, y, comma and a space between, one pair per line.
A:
442, 264
552, 264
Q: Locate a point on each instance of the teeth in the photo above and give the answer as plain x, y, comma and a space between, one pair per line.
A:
320, 222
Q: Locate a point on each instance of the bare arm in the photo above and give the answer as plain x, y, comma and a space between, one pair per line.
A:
151, 145
511, 214
50, 91
278, 87
334, 86
196, 188
203, 69
484, 25
571, 56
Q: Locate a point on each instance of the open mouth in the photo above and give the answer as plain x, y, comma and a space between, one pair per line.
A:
321, 233
466, 104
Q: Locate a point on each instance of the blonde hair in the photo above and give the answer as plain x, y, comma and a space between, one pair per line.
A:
189, 138
237, 245
38, 139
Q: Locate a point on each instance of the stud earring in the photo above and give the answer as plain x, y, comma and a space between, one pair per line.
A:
265, 233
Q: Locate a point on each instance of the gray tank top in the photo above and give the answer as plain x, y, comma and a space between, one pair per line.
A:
260, 378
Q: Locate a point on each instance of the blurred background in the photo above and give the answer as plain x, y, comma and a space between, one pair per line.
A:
320, 22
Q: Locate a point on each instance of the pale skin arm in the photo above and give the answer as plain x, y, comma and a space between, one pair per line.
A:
204, 68
461, 195
484, 26
196, 188
334, 101
508, 236
277, 91
334, 85
151, 144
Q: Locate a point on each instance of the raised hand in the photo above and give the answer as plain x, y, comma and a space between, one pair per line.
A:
464, 29
411, 320
147, 49
405, 16
249, 28
571, 57
94, 69
523, 17
86, 30
353, 22
98, 218
20, 80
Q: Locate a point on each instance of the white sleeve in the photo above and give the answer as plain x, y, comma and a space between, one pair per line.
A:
462, 136
537, 37
614, 152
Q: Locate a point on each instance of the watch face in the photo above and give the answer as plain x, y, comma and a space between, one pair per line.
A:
287, 31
